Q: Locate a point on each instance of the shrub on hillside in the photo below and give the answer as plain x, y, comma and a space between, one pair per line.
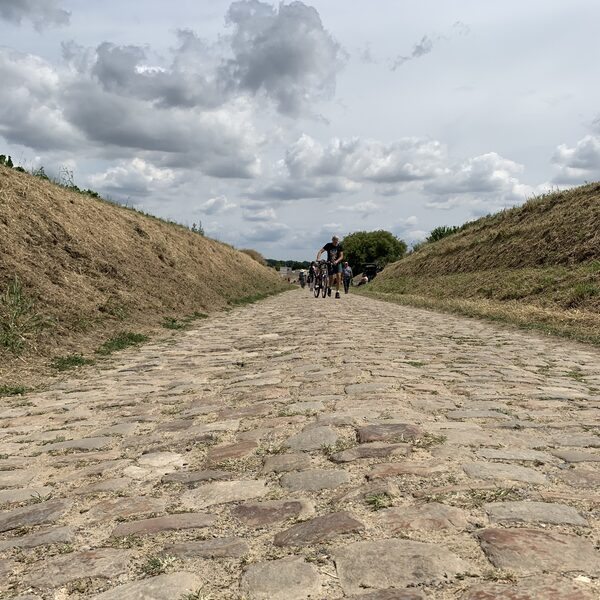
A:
6, 161
257, 256
441, 232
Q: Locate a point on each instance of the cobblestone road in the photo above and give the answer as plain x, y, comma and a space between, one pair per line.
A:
302, 448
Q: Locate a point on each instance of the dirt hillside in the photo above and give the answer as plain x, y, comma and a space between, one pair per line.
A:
537, 265
89, 268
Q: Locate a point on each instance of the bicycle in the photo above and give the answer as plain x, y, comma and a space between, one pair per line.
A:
321, 279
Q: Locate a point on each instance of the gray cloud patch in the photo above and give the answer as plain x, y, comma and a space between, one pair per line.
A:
191, 80
41, 13
425, 46
285, 53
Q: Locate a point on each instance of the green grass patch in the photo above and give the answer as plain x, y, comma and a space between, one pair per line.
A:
251, 299
19, 321
64, 363
122, 340
173, 323
16, 390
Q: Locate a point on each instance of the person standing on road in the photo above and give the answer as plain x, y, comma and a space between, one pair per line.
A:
347, 275
335, 255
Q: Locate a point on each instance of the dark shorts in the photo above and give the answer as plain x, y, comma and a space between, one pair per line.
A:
333, 269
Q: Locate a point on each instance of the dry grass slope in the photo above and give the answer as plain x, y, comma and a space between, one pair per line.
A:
537, 266
91, 268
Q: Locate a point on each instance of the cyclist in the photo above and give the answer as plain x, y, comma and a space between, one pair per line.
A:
335, 255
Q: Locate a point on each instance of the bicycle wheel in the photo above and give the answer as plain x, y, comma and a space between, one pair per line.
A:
325, 286
316, 285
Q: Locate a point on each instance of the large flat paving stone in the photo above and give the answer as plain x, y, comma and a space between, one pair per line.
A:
389, 432
427, 517
222, 492
164, 587
16, 478
393, 563
191, 478
259, 514
318, 530
313, 439
534, 512
529, 551
314, 480
370, 450
14, 495
37, 514
367, 388
218, 454
576, 456
522, 455
527, 589
503, 472
122, 508
580, 477
95, 443
283, 463
44, 537
418, 469
284, 579
58, 570
174, 522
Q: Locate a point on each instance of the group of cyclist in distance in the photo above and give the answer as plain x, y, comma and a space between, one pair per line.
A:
324, 274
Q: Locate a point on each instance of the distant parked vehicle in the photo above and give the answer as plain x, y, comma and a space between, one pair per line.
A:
370, 270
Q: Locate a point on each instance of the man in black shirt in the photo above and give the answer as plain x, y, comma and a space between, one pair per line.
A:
335, 255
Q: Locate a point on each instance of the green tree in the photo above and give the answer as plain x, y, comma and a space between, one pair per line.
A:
380, 247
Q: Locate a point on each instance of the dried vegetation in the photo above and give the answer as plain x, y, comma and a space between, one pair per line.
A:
537, 266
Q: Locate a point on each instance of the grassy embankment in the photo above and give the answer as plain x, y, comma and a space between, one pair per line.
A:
536, 266
81, 277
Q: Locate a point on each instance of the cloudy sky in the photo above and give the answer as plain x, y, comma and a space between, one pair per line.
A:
278, 124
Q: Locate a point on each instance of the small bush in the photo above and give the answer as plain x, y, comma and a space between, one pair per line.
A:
122, 340
63, 363
40, 173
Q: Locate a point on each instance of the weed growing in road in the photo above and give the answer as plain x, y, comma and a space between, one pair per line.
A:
156, 565
339, 446
127, 542
122, 340
8, 390
197, 595
378, 501
415, 363
37, 498
499, 575
71, 361
66, 549
272, 448
428, 440
480, 497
